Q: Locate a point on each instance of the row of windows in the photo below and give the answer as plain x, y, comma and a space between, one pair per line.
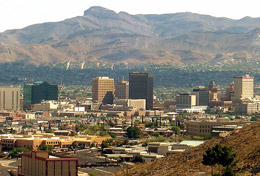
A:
8, 141
56, 142
206, 130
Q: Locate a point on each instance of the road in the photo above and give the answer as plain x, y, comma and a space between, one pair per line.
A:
6, 164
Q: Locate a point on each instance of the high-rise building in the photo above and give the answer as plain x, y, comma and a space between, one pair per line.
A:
38, 91
103, 90
10, 98
122, 89
214, 92
229, 92
243, 87
185, 101
202, 96
141, 87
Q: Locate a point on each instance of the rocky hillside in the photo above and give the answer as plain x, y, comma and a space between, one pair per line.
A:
244, 142
106, 36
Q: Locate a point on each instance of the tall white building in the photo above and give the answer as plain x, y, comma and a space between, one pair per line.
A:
243, 88
10, 98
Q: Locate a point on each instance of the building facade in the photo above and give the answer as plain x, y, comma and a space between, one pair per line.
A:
38, 91
141, 87
122, 90
197, 128
185, 101
202, 96
39, 163
10, 98
243, 88
103, 90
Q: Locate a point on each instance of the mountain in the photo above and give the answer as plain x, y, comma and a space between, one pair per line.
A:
244, 142
102, 35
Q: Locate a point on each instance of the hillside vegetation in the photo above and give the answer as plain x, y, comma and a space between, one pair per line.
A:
102, 35
244, 142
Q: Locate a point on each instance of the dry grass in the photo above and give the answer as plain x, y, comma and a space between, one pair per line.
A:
245, 142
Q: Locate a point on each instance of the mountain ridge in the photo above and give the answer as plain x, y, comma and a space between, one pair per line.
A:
104, 35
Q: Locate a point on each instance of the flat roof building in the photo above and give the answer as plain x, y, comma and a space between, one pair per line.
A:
10, 98
38, 91
243, 87
122, 89
141, 87
103, 90
41, 164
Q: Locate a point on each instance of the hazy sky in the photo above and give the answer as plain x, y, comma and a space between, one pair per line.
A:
20, 13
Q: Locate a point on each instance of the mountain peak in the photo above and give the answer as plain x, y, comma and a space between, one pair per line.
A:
98, 10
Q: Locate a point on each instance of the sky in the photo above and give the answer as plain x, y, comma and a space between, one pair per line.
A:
15, 14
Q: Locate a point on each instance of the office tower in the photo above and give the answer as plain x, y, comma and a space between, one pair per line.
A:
229, 92
103, 90
243, 87
202, 96
122, 89
214, 92
10, 98
39, 91
185, 101
141, 87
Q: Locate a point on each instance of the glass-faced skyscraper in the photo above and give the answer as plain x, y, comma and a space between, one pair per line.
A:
141, 87
38, 91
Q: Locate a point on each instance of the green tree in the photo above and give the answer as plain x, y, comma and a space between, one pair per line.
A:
210, 159
228, 160
107, 143
133, 132
156, 134
17, 151
176, 130
46, 148
254, 119
221, 156
75, 144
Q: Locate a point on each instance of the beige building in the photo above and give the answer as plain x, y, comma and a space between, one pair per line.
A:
103, 90
45, 106
10, 98
247, 107
135, 103
39, 163
122, 90
197, 128
243, 88
36, 141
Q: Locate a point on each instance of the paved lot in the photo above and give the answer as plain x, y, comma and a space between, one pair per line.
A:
86, 156
5, 165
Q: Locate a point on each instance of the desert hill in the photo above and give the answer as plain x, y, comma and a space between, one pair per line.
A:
244, 142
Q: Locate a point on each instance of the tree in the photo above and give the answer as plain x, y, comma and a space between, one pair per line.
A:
254, 119
133, 132
17, 151
156, 134
107, 143
221, 156
176, 130
75, 144
46, 148
210, 159
227, 160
